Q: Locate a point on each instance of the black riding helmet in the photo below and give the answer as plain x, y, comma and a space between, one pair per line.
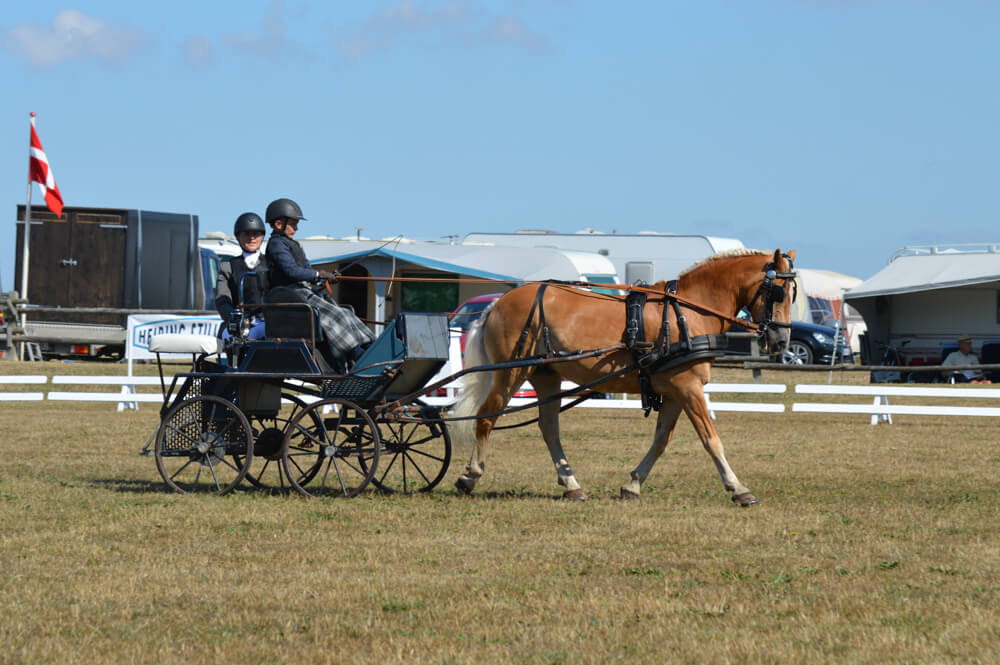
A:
282, 208
249, 221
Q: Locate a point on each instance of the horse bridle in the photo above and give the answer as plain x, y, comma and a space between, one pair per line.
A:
773, 294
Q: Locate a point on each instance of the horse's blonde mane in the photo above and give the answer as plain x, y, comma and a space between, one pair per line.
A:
739, 251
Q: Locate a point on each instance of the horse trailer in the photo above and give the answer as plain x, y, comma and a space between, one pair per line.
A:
98, 264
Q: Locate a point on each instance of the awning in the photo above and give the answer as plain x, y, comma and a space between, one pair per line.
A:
924, 272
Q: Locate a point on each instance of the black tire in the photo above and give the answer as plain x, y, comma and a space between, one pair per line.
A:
415, 456
267, 472
797, 353
332, 456
204, 444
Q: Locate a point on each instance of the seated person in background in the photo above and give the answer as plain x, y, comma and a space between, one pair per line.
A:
964, 356
345, 333
249, 231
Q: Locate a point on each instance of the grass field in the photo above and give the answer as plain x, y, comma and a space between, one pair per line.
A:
870, 545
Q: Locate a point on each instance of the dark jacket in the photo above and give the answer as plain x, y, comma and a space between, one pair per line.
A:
227, 284
288, 261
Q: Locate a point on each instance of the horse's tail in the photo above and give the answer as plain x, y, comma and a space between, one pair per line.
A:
476, 385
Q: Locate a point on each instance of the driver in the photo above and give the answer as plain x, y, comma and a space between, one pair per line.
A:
249, 230
345, 333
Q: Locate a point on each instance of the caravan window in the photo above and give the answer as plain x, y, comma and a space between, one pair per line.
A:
602, 279
429, 296
821, 310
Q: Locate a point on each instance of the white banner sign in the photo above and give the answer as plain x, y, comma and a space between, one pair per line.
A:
142, 327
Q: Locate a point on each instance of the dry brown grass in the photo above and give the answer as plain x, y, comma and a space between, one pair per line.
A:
871, 544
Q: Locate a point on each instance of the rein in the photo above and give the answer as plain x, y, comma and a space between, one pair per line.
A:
587, 285
646, 360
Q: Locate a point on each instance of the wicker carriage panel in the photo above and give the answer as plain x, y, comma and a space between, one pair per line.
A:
199, 421
352, 387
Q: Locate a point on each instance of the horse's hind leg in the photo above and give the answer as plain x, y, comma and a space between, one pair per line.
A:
665, 423
496, 399
697, 412
546, 384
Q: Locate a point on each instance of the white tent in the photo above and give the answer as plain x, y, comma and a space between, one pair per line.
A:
826, 283
828, 286
927, 296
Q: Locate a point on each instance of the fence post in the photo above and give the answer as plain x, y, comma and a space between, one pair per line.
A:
880, 417
755, 357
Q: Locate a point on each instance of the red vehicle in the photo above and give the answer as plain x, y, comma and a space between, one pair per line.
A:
467, 313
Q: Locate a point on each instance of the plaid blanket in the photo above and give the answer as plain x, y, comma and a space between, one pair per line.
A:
343, 330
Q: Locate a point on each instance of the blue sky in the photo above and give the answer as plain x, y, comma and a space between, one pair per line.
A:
844, 129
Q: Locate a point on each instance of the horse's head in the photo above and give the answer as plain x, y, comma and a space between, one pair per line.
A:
771, 305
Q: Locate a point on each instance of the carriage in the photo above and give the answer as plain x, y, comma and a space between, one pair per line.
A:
270, 412
271, 415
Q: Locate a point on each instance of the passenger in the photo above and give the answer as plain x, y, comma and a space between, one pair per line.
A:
345, 333
964, 356
249, 230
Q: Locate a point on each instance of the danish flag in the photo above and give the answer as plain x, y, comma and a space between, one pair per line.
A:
39, 171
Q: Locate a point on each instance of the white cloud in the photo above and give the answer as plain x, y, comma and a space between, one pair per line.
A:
453, 23
273, 38
198, 51
72, 35
512, 30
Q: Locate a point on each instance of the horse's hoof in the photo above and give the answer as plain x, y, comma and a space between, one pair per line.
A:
575, 495
628, 495
465, 485
745, 499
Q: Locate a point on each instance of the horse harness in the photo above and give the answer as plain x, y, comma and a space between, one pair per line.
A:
650, 358
773, 294
667, 356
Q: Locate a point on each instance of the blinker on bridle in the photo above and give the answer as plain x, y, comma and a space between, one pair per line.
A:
773, 294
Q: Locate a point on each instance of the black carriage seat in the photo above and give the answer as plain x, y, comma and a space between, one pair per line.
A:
288, 318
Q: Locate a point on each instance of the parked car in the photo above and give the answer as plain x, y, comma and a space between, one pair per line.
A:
468, 312
809, 344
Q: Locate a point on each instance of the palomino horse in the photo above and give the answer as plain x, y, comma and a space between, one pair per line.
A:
524, 323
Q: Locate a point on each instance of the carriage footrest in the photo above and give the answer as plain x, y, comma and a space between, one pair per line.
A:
353, 387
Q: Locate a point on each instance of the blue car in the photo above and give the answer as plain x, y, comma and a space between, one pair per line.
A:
809, 344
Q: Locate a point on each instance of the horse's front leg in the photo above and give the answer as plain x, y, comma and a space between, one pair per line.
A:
546, 384
665, 423
697, 411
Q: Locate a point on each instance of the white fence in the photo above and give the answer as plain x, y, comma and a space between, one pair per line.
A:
127, 397
878, 409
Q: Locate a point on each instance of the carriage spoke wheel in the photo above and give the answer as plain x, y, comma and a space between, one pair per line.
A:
415, 456
267, 472
204, 445
331, 455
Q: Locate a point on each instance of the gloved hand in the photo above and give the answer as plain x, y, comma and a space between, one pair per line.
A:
328, 276
233, 324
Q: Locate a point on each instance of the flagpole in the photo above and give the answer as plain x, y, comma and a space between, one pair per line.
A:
25, 245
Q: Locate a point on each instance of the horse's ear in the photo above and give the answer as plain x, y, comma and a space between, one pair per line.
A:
777, 257
791, 255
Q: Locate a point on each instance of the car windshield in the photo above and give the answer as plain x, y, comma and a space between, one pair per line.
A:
466, 314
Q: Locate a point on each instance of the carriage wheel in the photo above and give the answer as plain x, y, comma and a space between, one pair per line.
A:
204, 445
415, 456
267, 472
335, 455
